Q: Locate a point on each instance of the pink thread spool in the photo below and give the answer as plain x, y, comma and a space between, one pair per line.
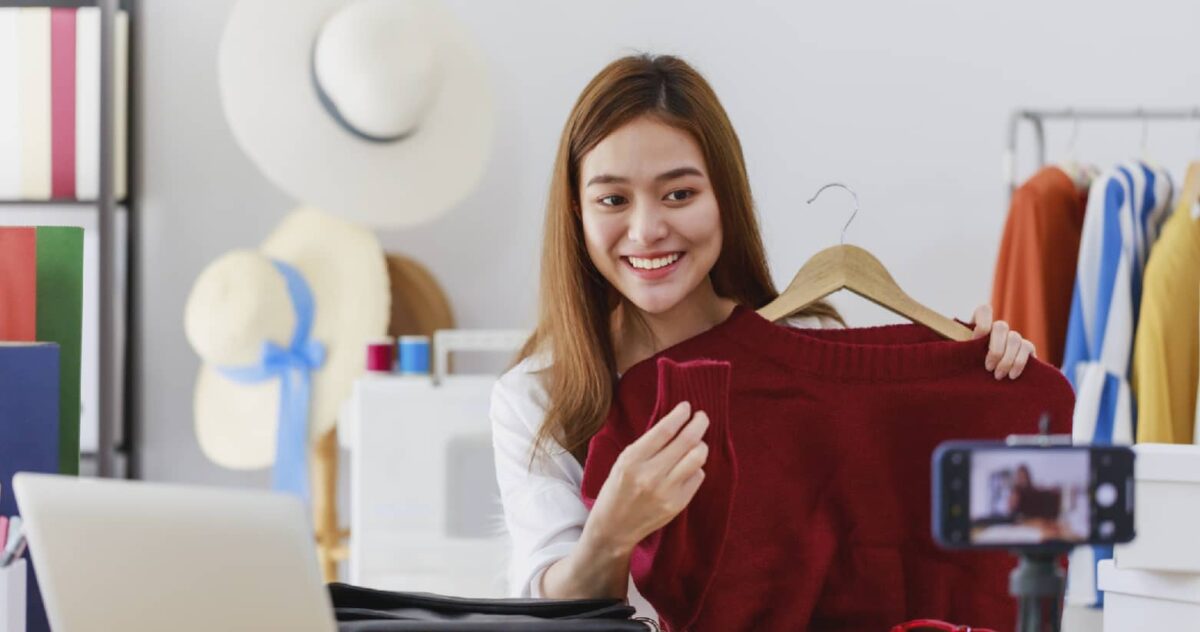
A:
380, 355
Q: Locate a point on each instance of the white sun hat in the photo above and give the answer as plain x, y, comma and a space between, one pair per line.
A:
296, 312
378, 111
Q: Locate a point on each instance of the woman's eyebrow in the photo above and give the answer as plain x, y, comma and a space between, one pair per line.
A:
677, 172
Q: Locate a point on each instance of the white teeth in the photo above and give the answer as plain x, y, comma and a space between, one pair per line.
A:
654, 264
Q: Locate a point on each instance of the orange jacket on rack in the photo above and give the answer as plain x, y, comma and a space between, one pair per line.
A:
1035, 270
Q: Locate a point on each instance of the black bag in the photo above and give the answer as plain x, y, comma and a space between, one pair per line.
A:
366, 610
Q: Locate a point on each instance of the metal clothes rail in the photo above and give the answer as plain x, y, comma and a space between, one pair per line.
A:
1037, 119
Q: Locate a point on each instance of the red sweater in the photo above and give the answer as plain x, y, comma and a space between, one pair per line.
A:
815, 509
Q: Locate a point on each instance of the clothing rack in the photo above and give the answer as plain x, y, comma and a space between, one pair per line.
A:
1037, 119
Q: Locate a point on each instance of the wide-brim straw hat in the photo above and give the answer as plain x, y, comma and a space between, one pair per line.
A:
378, 111
241, 301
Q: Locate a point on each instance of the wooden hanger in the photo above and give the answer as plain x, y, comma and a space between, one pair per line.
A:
852, 268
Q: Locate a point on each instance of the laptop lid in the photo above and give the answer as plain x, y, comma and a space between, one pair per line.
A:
134, 556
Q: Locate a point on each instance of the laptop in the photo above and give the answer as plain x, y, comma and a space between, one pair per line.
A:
137, 556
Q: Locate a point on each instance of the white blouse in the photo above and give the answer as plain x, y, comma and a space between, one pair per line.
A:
543, 509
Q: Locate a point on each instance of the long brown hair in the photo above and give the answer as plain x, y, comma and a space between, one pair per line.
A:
576, 303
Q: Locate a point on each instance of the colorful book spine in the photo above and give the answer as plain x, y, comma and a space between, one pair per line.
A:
29, 440
34, 89
41, 300
87, 103
50, 103
62, 103
10, 106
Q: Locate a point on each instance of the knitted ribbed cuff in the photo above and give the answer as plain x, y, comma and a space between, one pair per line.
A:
702, 383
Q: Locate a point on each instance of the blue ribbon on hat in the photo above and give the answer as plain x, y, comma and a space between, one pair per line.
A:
293, 367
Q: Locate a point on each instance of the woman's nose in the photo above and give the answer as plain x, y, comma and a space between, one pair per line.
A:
647, 224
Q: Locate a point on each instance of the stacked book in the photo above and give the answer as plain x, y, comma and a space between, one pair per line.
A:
29, 442
50, 103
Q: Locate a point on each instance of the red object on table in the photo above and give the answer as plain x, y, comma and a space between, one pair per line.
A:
932, 625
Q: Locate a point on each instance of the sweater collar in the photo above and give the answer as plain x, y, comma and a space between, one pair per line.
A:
887, 353
891, 353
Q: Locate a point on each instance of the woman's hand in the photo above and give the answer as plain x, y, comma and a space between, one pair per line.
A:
652, 480
1007, 352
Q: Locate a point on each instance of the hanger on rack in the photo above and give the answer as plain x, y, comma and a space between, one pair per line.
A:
1080, 173
852, 268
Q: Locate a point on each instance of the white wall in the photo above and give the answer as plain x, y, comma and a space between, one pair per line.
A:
906, 102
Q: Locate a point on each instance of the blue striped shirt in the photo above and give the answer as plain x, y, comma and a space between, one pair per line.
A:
1127, 206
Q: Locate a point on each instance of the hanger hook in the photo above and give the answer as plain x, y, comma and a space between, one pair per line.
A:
848, 190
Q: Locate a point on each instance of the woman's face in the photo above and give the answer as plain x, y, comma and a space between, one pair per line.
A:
650, 218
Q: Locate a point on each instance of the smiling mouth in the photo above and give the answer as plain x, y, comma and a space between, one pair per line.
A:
650, 265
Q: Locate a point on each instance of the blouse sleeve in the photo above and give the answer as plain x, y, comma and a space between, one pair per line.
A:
543, 510
810, 322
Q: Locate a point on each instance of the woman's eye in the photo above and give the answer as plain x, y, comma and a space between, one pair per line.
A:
680, 195
612, 200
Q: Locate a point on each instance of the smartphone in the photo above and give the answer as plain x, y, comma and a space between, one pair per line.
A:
995, 495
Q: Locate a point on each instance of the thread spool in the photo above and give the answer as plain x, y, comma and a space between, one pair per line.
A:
413, 354
380, 355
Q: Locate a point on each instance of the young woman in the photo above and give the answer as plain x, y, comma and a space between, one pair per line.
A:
650, 239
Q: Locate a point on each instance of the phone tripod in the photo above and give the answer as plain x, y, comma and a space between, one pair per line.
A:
1037, 584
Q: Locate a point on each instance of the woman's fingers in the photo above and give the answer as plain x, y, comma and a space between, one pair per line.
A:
659, 434
1027, 349
982, 320
689, 487
1012, 346
996, 345
687, 466
687, 439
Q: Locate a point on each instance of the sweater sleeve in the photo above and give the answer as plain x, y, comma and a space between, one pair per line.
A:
683, 550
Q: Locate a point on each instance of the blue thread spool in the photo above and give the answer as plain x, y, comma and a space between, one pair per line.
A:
413, 353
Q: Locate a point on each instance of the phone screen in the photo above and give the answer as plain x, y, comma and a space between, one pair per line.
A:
1029, 496
993, 495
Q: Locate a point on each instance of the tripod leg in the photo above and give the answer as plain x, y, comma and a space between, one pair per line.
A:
1029, 614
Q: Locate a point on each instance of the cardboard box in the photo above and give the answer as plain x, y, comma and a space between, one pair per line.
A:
1167, 510
1138, 600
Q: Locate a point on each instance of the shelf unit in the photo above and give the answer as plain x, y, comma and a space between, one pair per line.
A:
104, 461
